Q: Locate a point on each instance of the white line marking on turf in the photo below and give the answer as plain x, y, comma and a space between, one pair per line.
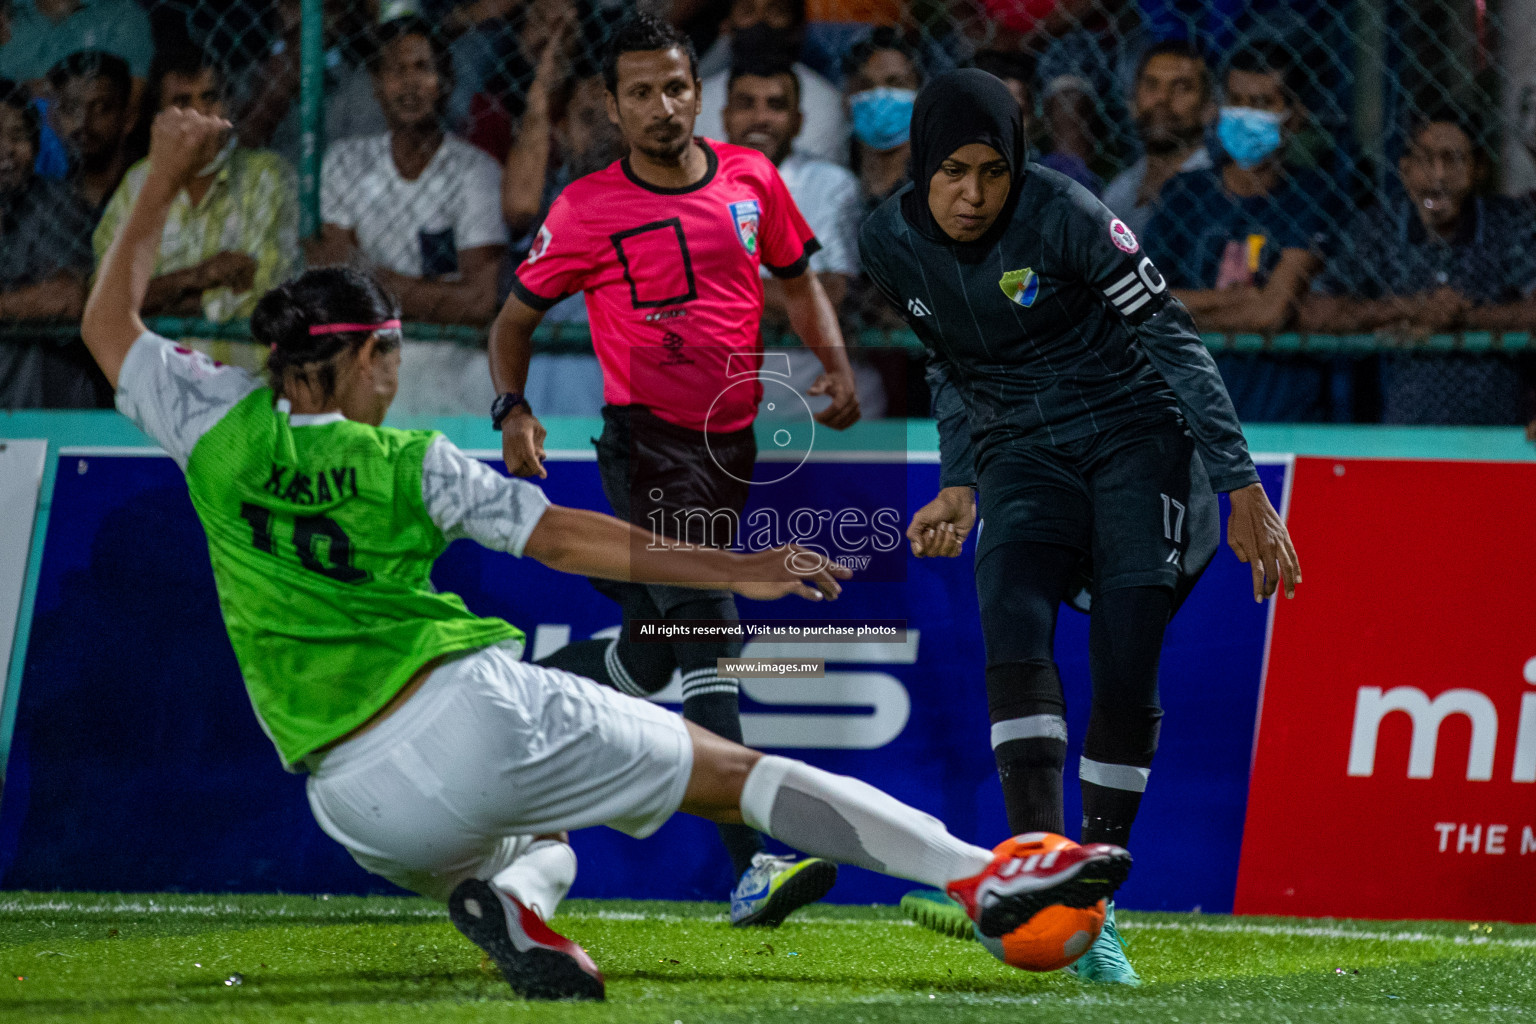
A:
344, 912
341, 913
631, 915
208, 910
1321, 932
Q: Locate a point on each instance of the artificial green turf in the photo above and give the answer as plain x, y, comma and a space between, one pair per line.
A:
168, 957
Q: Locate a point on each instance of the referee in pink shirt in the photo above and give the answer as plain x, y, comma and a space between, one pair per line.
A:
667, 246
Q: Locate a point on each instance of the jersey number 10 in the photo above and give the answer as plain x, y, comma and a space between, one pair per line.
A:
308, 534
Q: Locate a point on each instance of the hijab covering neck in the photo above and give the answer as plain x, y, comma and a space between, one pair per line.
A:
953, 110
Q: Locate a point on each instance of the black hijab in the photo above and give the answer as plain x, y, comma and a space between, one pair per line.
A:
956, 109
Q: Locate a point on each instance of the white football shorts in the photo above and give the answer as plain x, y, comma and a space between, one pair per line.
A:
489, 751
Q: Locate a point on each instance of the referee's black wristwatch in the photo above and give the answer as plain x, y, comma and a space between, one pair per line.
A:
503, 406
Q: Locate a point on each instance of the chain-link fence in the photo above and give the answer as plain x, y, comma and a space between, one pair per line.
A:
1334, 187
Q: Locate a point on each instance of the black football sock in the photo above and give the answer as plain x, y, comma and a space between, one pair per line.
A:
714, 702
1108, 813
719, 712
1020, 586
636, 669
1029, 742
1125, 639
1030, 771
584, 657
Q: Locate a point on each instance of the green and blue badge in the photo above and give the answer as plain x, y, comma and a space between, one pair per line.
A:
1021, 286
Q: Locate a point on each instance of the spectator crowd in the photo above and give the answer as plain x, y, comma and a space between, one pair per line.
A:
450, 126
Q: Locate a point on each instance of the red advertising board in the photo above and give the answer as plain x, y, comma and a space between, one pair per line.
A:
1394, 772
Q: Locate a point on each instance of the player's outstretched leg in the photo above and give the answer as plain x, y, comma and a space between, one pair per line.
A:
842, 819
768, 887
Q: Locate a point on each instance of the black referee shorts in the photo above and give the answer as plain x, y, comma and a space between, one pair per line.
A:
1133, 499
686, 484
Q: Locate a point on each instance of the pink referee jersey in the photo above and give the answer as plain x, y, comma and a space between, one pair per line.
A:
671, 278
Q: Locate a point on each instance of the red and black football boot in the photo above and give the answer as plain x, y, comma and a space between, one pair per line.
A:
1013, 888
536, 961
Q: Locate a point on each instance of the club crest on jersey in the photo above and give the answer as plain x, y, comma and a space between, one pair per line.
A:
747, 214
1021, 286
1122, 237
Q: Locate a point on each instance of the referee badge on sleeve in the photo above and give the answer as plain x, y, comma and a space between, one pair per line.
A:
540, 244
1021, 286
747, 214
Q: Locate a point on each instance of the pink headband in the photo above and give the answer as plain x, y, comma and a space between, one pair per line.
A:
387, 325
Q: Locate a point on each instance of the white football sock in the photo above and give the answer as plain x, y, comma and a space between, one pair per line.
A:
540, 878
843, 819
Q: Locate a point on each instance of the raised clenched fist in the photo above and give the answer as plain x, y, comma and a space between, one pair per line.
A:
182, 142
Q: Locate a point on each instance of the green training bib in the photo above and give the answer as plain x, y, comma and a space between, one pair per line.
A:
322, 548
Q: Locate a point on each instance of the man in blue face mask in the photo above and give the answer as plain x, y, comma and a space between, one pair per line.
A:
881, 78
1240, 242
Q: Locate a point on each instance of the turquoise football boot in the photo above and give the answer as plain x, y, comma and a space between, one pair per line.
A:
775, 887
936, 911
1105, 963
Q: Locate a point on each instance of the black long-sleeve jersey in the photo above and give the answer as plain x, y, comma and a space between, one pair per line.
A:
1060, 330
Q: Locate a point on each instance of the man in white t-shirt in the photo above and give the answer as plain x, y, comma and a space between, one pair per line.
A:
419, 205
762, 112
758, 29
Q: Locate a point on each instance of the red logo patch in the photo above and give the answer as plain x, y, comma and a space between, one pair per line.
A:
540, 244
1122, 237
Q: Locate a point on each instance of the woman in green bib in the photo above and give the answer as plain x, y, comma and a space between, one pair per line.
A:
436, 756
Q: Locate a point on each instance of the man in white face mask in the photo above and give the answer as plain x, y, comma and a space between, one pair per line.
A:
233, 231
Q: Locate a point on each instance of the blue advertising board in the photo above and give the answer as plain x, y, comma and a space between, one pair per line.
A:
137, 765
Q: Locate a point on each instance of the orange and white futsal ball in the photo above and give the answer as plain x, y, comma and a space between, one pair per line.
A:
1056, 936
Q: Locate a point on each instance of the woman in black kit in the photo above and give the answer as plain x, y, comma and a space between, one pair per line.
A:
1076, 400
